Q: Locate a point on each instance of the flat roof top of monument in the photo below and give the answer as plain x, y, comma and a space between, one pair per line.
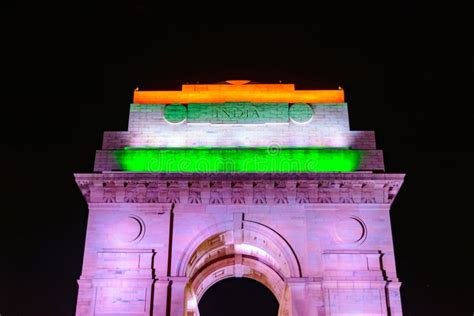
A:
238, 91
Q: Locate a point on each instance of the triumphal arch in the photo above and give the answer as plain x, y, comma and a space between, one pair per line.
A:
239, 179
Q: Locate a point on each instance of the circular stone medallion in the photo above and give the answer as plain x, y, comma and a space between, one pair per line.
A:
175, 113
301, 113
128, 229
350, 230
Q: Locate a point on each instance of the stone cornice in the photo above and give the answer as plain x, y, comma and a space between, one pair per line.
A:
240, 188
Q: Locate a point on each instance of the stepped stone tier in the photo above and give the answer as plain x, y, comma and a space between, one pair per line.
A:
239, 179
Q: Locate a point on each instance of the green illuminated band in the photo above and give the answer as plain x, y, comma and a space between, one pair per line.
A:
238, 159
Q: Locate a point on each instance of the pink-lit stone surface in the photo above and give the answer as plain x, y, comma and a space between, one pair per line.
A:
320, 242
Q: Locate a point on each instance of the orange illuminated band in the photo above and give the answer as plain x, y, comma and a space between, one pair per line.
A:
214, 93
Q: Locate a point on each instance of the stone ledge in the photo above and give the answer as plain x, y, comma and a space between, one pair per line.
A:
240, 189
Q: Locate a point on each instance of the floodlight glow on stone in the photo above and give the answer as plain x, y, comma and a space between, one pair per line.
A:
245, 159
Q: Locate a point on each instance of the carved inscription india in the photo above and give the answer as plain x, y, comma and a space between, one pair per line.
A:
235, 113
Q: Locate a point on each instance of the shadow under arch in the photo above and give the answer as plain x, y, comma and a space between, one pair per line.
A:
238, 296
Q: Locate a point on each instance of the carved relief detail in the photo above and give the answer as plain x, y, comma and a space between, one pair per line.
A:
281, 197
240, 192
131, 193
237, 197
172, 196
368, 193
194, 197
84, 186
216, 197
109, 195
237, 194
345, 193
302, 196
152, 193
324, 196
259, 196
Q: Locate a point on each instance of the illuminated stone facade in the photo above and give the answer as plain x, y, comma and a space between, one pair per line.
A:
320, 241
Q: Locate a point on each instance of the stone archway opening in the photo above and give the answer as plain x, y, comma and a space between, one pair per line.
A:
250, 252
238, 296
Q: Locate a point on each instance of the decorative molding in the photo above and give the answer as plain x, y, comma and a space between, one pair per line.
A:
142, 188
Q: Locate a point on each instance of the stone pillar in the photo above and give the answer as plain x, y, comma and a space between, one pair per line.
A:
84, 300
394, 299
177, 295
315, 294
160, 297
305, 297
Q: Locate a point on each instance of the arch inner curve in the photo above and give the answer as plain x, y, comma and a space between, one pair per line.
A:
253, 251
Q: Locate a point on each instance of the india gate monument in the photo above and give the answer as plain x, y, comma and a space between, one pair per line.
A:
239, 180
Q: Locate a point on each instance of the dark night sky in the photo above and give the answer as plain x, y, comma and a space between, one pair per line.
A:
69, 73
